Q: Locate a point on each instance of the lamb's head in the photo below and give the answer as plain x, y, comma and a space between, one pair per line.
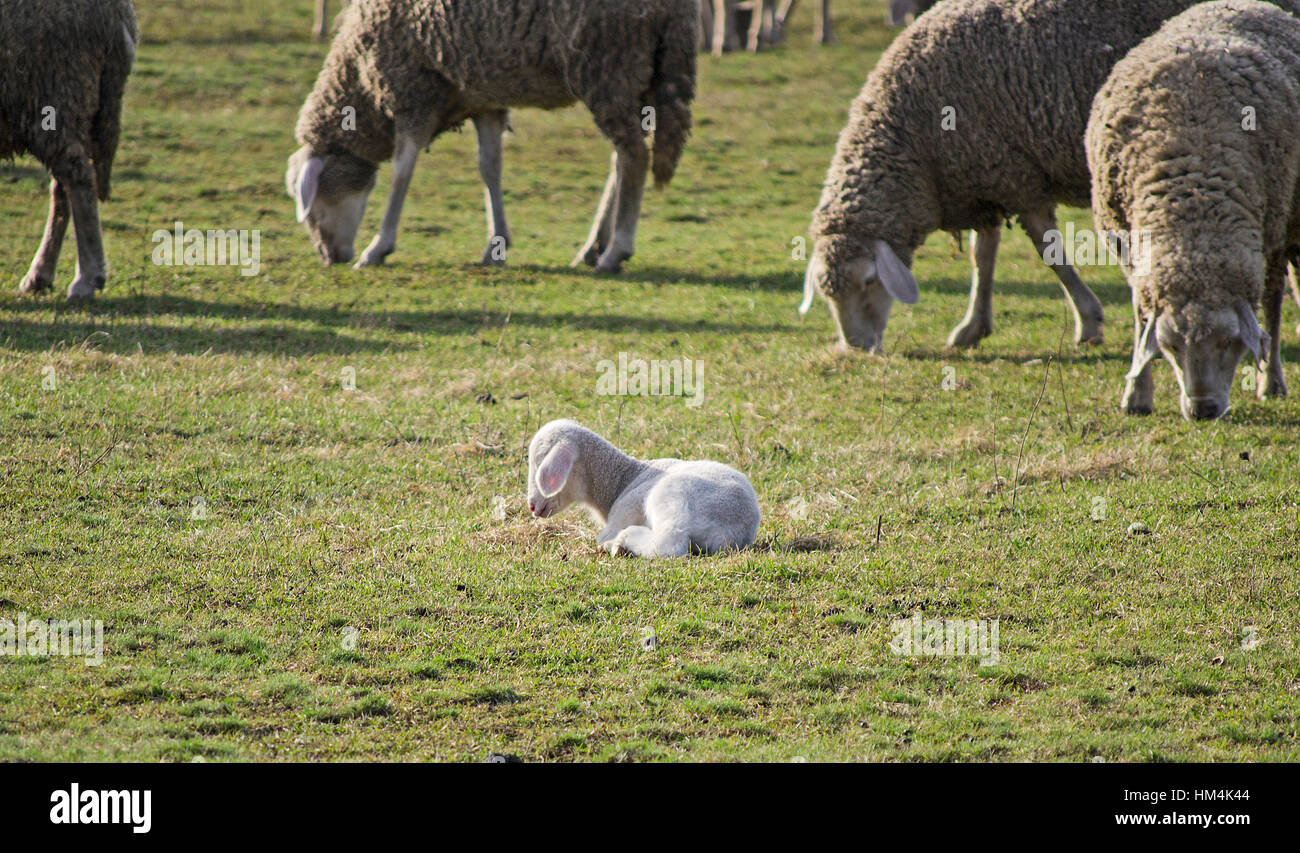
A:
1204, 344
860, 281
330, 192
553, 454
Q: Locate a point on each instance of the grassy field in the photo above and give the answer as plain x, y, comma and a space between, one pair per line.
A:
289, 570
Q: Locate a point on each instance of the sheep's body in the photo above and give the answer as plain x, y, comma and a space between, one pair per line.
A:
64, 68
1195, 146
974, 115
660, 508
411, 69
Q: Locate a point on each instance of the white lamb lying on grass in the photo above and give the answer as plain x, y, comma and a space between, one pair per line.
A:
660, 508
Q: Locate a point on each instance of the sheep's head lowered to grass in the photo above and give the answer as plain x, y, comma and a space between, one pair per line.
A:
1204, 344
330, 192
860, 281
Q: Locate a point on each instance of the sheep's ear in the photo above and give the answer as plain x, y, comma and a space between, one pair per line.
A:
1148, 348
895, 276
308, 183
553, 473
1256, 340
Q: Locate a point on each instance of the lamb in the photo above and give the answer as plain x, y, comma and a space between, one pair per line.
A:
399, 73
1194, 142
63, 68
660, 508
973, 116
720, 23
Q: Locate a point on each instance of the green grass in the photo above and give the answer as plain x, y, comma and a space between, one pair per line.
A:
347, 593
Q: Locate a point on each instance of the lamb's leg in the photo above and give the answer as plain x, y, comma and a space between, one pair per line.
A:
724, 26
978, 323
1272, 383
1139, 392
41, 274
1088, 314
405, 152
489, 127
79, 184
603, 225
645, 542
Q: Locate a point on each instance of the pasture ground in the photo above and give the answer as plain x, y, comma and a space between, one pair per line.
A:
290, 570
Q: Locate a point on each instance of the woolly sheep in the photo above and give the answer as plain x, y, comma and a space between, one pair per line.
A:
660, 508
63, 68
1194, 142
974, 115
400, 73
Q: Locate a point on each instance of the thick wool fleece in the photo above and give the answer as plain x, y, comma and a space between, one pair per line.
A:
1173, 155
1014, 81
73, 56
442, 61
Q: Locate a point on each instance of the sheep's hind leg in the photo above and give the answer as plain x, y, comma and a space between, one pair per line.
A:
645, 542
631, 163
79, 184
405, 152
1139, 391
1088, 314
603, 225
41, 274
978, 323
489, 127
1272, 383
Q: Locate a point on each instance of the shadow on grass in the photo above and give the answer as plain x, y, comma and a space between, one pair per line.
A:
297, 329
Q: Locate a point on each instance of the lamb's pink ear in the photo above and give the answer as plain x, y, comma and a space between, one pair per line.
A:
308, 183
894, 275
553, 473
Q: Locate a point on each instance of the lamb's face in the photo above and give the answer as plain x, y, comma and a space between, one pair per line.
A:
1204, 346
860, 284
330, 193
550, 463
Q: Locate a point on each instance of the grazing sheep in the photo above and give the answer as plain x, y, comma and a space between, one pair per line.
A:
1194, 143
400, 73
660, 508
973, 116
63, 68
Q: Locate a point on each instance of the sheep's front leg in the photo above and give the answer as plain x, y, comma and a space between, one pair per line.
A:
645, 542
405, 152
41, 274
1088, 315
978, 323
603, 225
630, 165
489, 127
79, 184
1272, 383
1139, 391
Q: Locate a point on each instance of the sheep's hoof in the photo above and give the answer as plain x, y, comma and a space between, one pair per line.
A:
84, 288
1094, 337
492, 258
588, 256
1271, 385
35, 283
612, 262
969, 334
